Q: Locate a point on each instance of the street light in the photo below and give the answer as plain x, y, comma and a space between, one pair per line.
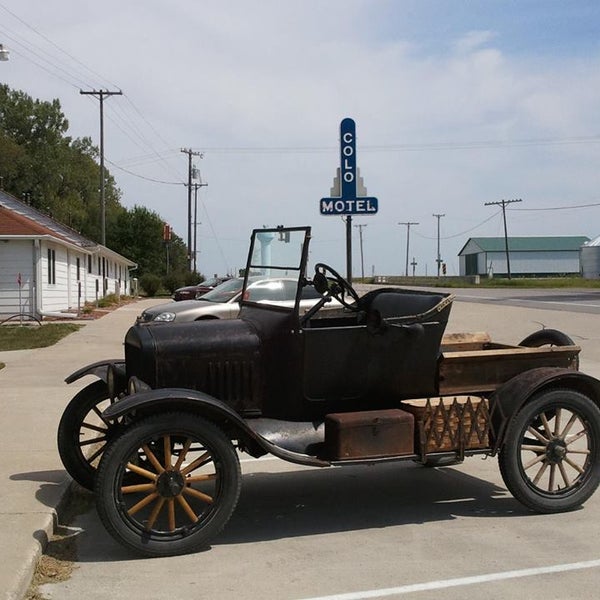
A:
4, 53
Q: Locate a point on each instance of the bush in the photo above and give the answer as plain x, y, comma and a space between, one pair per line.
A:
172, 281
193, 278
150, 284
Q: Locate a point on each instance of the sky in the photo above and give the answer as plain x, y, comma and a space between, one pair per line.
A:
457, 104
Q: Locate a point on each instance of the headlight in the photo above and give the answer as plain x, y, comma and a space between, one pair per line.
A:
166, 317
116, 380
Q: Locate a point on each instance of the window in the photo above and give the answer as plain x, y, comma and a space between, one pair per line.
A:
89, 263
51, 266
78, 269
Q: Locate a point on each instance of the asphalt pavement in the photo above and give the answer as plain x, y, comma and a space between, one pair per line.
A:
34, 394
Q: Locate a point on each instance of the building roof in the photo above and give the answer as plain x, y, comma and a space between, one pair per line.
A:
594, 242
527, 244
22, 220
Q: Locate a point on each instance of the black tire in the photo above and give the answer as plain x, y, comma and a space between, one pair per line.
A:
167, 511
547, 337
550, 460
83, 434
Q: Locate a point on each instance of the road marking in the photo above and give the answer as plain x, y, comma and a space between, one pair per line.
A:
448, 583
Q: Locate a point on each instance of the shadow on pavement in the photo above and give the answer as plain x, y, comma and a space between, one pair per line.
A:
276, 506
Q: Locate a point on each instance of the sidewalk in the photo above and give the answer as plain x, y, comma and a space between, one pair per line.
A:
32, 398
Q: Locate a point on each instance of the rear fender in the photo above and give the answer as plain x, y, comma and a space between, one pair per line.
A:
99, 369
512, 396
199, 403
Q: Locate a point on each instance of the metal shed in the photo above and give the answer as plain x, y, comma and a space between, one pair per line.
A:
590, 259
529, 256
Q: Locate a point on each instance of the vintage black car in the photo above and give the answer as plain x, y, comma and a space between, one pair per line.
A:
158, 434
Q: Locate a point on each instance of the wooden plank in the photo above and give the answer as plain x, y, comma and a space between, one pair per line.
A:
485, 370
465, 341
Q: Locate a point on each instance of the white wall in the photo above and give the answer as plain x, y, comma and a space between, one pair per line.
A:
16, 256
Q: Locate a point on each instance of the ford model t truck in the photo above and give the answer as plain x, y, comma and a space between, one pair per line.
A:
158, 434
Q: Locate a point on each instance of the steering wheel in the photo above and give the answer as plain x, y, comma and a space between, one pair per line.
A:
335, 285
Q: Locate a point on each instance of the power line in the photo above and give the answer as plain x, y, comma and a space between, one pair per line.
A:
556, 207
142, 176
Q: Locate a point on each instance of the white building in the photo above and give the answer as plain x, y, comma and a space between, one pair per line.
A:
528, 256
48, 269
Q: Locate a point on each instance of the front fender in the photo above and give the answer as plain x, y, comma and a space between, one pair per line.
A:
99, 369
169, 399
510, 398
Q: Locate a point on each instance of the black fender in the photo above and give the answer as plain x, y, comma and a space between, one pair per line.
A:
209, 407
99, 369
508, 399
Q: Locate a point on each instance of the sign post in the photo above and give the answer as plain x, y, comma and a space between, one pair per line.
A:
348, 194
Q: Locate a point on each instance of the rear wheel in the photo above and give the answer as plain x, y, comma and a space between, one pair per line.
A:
83, 433
187, 484
550, 460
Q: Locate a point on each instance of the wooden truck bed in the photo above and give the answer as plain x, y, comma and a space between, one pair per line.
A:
471, 363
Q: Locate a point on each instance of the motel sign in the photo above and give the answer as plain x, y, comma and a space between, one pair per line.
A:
345, 198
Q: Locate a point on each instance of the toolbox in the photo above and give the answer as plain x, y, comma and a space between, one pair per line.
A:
369, 434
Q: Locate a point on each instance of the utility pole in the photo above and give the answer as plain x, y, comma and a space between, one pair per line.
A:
100, 94
413, 264
408, 224
362, 261
190, 153
503, 204
439, 258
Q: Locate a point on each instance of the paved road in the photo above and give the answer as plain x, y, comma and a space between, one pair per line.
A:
584, 300
392, 531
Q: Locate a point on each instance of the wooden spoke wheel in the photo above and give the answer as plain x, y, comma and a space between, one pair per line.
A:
550, 460
83, 433
168, 484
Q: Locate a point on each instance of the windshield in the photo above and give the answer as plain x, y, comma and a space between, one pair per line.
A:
224, 292
212, 282
275, 265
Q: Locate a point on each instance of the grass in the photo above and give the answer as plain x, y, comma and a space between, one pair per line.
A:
14, 337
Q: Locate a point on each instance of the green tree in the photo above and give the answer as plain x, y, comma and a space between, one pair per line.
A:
40, 164
137, 234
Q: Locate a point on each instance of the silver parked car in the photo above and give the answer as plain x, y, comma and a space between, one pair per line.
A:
223, 302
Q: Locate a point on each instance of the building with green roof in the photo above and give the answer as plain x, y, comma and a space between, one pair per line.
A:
529, 256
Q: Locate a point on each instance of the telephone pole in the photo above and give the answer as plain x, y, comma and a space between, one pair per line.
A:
190, 153
503, 204
362, 261
100, 94
439, 258
408, 224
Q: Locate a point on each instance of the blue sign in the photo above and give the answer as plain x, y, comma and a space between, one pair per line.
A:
348, 158
348, 203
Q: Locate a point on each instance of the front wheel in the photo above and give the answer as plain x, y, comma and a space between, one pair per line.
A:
550, 460
168, 485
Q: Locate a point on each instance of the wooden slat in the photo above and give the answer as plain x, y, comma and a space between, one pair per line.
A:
465, 341
485, 370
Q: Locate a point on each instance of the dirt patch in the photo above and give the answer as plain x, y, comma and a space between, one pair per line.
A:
60, 554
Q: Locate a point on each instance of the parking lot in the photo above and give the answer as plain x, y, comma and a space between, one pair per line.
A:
391, 531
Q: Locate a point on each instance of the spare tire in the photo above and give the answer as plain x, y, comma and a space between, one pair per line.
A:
547, 337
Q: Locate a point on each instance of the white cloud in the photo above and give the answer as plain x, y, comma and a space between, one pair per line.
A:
282, 75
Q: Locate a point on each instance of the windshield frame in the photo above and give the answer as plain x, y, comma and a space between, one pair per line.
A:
255, 265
